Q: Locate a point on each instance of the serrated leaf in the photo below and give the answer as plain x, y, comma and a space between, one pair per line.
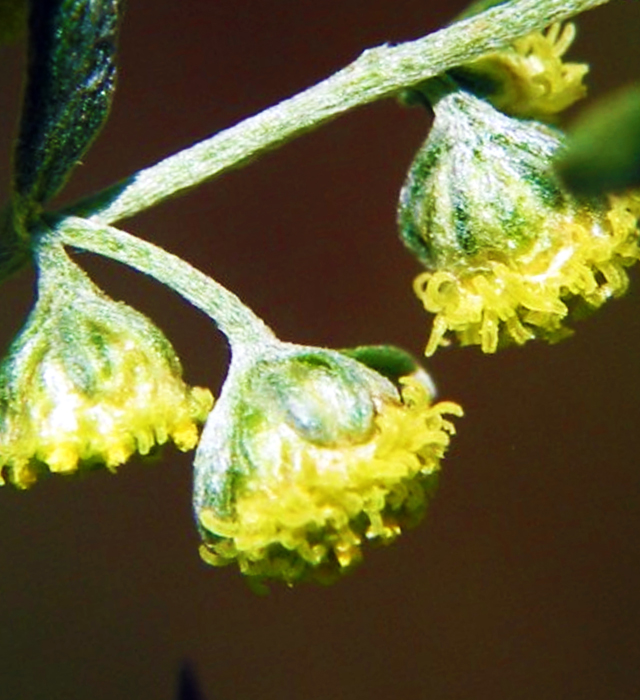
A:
70, 82
603, 151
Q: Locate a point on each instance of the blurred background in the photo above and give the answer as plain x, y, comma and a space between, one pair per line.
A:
522, 581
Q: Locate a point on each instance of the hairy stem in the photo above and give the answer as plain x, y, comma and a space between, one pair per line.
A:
241, 326
377, 73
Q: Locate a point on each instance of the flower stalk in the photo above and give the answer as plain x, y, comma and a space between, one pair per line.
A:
378, 73
241, 326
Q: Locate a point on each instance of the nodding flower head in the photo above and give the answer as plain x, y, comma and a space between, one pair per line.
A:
89, 381
510, 255
307, 455
529, 78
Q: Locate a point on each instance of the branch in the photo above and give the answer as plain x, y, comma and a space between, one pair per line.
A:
377, 73
241, 326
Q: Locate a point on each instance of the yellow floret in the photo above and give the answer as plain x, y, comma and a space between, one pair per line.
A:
530, 76
89, 381
309, 517
143, 404
583, 255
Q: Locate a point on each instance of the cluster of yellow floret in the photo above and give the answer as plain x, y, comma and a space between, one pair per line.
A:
305, 511
59, 427
520, 297
89, 381
309, 517
531, 80
578, 251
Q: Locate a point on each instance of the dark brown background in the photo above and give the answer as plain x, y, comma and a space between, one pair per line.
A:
523, 580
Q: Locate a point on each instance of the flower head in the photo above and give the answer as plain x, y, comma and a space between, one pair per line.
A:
510, 255
89, 380
307, 455
529, 78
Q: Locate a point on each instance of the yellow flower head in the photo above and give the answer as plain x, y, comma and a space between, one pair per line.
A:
529, 78
509, 254
89, 380
309, 454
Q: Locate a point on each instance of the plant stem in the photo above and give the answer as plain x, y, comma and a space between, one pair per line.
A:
241, 326
377, 73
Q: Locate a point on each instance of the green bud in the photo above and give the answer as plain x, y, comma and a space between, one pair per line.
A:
320, 397
88, 380
482, 184
307, 454
510, 255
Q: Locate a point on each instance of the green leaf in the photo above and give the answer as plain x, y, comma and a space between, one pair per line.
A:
70, 82
388, 360
603, 151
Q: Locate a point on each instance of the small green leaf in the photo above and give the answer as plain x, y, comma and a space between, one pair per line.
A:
388, 360
603, 153
70, 82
